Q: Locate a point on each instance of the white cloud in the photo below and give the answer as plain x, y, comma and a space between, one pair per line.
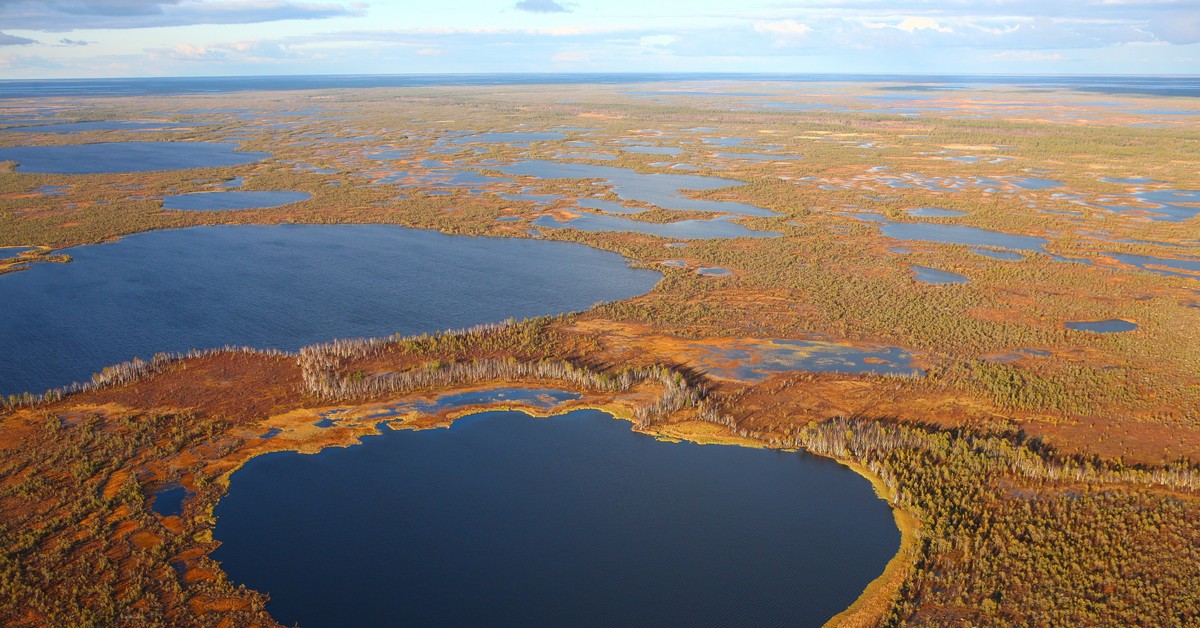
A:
912, 25
543, 6
790, 28
657, 40
68, 15
1026, 56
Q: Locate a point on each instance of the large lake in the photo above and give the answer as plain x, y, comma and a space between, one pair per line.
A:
107, 157
575, 520
281, 286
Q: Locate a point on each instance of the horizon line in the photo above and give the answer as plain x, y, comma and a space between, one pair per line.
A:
608, 73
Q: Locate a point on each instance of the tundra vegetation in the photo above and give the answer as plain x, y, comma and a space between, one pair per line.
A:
1043, 475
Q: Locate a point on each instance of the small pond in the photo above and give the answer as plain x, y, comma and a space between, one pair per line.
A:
936, 276
1111, 326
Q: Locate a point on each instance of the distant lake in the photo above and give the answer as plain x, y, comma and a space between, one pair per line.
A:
105, 157
41, 88
281, 286
574, 520
102, 125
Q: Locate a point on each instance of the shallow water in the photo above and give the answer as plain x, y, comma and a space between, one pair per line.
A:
934, 212
7, 252
515, 137
653, 150
935, 276
755, 361
103, 125
759, 156
281, 286
608, 207
595, 156
690, 229
504, 519
1034, 183
219, 201
542, 398
1160, 265
1111, 326
955, 234
663, 190
108, 157
1004, 256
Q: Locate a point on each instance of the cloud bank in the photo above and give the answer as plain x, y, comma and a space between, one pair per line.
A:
69, 15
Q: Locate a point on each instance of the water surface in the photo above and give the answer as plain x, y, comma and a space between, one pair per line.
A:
663, 190
935, 212
575, 520
104, 125
719, 227
108, 157
281, 286
218, 201
936, 276
757, 359
955, 234
1111, 326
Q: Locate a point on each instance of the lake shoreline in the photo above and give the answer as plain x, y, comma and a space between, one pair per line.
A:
866, 609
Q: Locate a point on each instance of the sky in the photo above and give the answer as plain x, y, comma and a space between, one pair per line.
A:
120, 38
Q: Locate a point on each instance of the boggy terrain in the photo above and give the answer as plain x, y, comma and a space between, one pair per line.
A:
1041, 474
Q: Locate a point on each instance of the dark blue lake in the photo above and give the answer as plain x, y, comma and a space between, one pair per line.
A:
281, 286
506, 520
107, 157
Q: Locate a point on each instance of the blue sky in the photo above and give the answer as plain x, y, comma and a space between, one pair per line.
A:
102, 38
